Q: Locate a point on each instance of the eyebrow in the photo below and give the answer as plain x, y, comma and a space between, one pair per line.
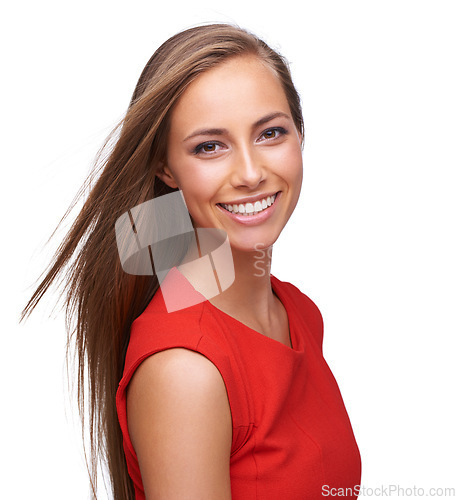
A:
221, 131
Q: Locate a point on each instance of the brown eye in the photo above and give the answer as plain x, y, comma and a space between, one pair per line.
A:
270, 134
206, 148
273, 133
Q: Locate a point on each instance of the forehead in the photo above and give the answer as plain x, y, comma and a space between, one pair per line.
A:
241, 89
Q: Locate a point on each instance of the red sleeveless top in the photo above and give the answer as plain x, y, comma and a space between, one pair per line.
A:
292, 437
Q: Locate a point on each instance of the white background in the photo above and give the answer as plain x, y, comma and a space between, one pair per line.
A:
372, 241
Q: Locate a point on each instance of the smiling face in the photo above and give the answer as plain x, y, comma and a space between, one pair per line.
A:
234, 151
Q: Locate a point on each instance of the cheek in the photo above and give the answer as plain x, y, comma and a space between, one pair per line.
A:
202, 176
199, 187
289, 163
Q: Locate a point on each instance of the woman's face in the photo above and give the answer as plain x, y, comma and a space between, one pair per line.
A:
235, 153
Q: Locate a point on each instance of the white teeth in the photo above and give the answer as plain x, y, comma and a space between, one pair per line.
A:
250, 208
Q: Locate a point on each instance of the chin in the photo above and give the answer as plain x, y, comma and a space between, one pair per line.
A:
250, 245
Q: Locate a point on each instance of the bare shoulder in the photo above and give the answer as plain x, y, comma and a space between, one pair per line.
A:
179, 422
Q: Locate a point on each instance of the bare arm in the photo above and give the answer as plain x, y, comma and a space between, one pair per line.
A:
179, 422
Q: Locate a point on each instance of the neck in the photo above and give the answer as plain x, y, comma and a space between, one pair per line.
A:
249, 298
252, 284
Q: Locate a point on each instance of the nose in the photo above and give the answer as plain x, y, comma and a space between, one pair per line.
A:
248, 170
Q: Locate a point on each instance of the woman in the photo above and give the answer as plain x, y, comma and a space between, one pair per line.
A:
220, 394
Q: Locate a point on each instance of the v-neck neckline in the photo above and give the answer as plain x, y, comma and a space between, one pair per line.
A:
295, 342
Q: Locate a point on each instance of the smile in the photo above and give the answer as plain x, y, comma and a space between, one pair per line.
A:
249, 209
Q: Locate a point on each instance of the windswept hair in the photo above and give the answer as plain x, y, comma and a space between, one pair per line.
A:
101, 300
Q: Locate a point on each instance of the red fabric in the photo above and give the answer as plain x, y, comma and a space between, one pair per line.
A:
292, 437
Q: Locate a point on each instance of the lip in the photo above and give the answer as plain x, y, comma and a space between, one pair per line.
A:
252, 220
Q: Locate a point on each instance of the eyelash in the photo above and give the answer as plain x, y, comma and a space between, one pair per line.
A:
281, 131
198, 149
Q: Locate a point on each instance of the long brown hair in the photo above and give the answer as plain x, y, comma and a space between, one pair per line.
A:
100, 296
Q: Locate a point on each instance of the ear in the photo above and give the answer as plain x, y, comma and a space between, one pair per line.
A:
164, 174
